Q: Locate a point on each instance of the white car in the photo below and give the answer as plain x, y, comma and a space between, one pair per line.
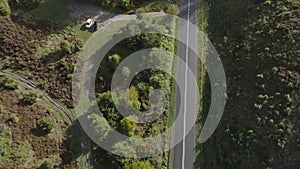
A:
88, 23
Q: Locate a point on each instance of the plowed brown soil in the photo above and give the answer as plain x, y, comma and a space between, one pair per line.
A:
26, 129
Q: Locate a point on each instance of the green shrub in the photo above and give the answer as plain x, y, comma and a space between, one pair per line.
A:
114, 60
67, 47
14, 118
47, 124
51, 162
69, 76
10, 84
4, 8
172, 9
30, 98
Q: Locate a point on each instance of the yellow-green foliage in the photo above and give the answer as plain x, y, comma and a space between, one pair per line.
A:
4, 7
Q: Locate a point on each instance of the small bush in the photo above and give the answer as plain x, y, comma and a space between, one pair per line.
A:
4, 8
64, 63
69, 76
10, 84
51, 162
47, 125
67, 47
30, 98
172, 9
14, 118
114, 60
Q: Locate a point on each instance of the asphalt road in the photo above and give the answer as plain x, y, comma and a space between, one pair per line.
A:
183, 153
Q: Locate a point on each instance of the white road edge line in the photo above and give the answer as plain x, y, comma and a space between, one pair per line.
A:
185, 87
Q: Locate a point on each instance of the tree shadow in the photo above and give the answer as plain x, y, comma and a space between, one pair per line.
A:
73, 144
38, 132
53, 57
83, 27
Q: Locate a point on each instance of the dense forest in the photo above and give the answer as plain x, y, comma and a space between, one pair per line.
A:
141, 86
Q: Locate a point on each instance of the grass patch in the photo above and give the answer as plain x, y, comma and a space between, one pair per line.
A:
21, 153
83, 35
51, 13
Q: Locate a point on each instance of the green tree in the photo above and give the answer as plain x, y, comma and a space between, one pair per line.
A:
67, 47
140, 164
106, 106
99, 125
9, 84
127, 126
30, 98
114, 60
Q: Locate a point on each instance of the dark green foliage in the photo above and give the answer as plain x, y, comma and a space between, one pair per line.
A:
4, 8
47, 124
139, 164
27, 4
138, 92
123, 4
106, 106
30, 98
